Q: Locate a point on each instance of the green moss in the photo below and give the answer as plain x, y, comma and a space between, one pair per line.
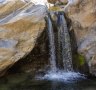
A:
55, 8
79, 60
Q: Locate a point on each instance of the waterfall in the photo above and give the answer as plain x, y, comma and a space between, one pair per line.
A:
51, 45
64, 43
60, 52
63, 46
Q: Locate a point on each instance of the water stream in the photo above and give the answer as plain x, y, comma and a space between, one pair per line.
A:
64, 43
62, 54
51, 46
64, 47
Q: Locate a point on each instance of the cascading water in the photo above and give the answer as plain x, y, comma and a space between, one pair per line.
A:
51, 45
64, 42
64, 47
63, 52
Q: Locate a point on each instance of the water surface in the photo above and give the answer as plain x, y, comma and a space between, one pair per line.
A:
28, 82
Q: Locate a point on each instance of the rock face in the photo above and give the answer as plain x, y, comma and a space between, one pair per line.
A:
83, 16
20, 25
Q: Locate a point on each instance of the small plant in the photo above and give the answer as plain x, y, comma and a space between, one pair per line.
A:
79, 59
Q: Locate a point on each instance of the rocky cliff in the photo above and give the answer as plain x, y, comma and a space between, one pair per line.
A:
21, 23
82, 14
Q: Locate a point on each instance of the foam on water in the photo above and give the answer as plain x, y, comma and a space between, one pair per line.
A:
62, 76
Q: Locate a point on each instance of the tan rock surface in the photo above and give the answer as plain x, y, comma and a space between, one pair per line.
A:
19, 29
83, 16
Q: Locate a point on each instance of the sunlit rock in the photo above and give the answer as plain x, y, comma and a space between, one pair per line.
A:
21, 24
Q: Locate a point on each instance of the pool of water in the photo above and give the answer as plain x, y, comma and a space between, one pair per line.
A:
28, 82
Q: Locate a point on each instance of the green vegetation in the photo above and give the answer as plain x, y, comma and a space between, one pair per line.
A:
79, 60
55, 8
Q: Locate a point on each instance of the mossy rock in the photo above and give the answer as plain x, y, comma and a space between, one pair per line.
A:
79, 60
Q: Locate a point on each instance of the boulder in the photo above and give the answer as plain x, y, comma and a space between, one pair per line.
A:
82, 13
21, 24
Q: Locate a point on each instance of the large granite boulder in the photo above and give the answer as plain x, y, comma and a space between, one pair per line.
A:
21, 23
83, 16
